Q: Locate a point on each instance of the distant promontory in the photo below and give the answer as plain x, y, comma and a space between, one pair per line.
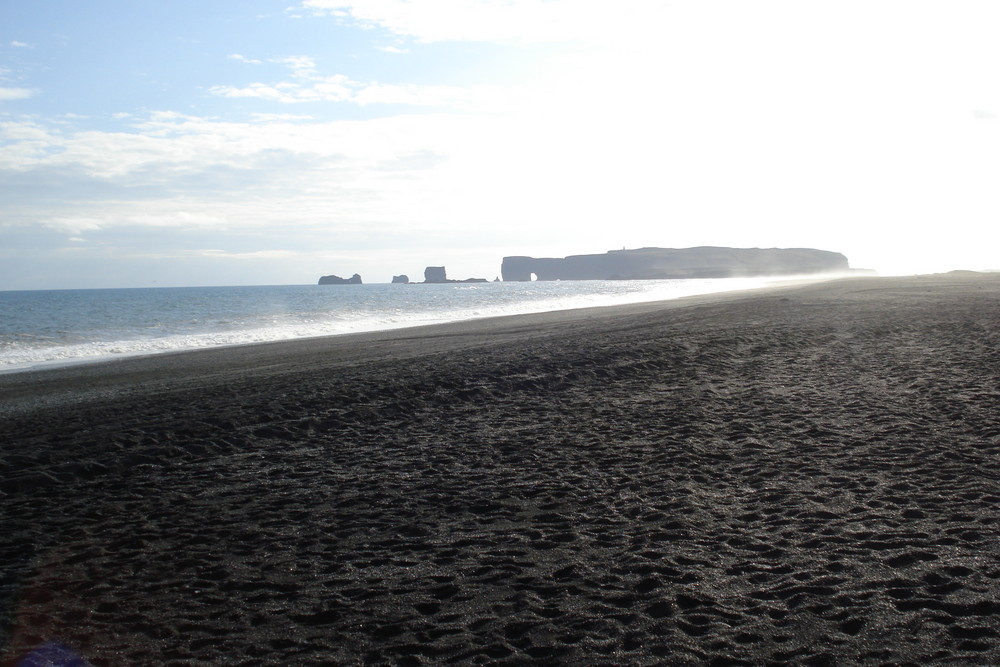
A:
675, 263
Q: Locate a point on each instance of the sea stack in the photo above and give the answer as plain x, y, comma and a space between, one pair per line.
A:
435, 274
337, 280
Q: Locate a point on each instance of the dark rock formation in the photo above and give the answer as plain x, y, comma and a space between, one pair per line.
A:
437, 274
402, 279
337, 280
670, 263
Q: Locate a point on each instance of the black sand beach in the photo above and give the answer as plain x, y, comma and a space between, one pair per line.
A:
800, 475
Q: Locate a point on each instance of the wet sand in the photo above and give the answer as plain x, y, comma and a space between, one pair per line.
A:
799, 475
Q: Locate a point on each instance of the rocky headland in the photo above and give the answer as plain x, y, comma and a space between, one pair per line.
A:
672, 263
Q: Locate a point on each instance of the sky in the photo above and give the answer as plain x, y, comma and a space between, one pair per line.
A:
239, 142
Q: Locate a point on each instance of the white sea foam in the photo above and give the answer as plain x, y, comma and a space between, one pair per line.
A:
72, 326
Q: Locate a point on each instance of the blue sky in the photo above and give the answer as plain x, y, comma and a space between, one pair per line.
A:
271, 142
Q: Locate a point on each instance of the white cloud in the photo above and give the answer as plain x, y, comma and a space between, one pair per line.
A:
181, 218
20, 45
23, 131
74, 225
279, 117
10, 94
308, 85
257, 90
468, 20
448, 96
302, 66
178, 171
254, 255
109, 215
243, 59
339, 88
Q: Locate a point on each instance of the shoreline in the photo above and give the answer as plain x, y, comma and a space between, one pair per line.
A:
86, 376
625, 299
799, 474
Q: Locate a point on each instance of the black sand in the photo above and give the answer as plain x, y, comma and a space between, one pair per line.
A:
807, 475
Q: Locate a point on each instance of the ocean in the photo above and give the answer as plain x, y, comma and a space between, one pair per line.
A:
59, 327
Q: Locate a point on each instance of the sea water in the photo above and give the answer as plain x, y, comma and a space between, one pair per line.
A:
56, 327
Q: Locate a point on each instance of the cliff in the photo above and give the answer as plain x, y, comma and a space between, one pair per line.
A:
671, 263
